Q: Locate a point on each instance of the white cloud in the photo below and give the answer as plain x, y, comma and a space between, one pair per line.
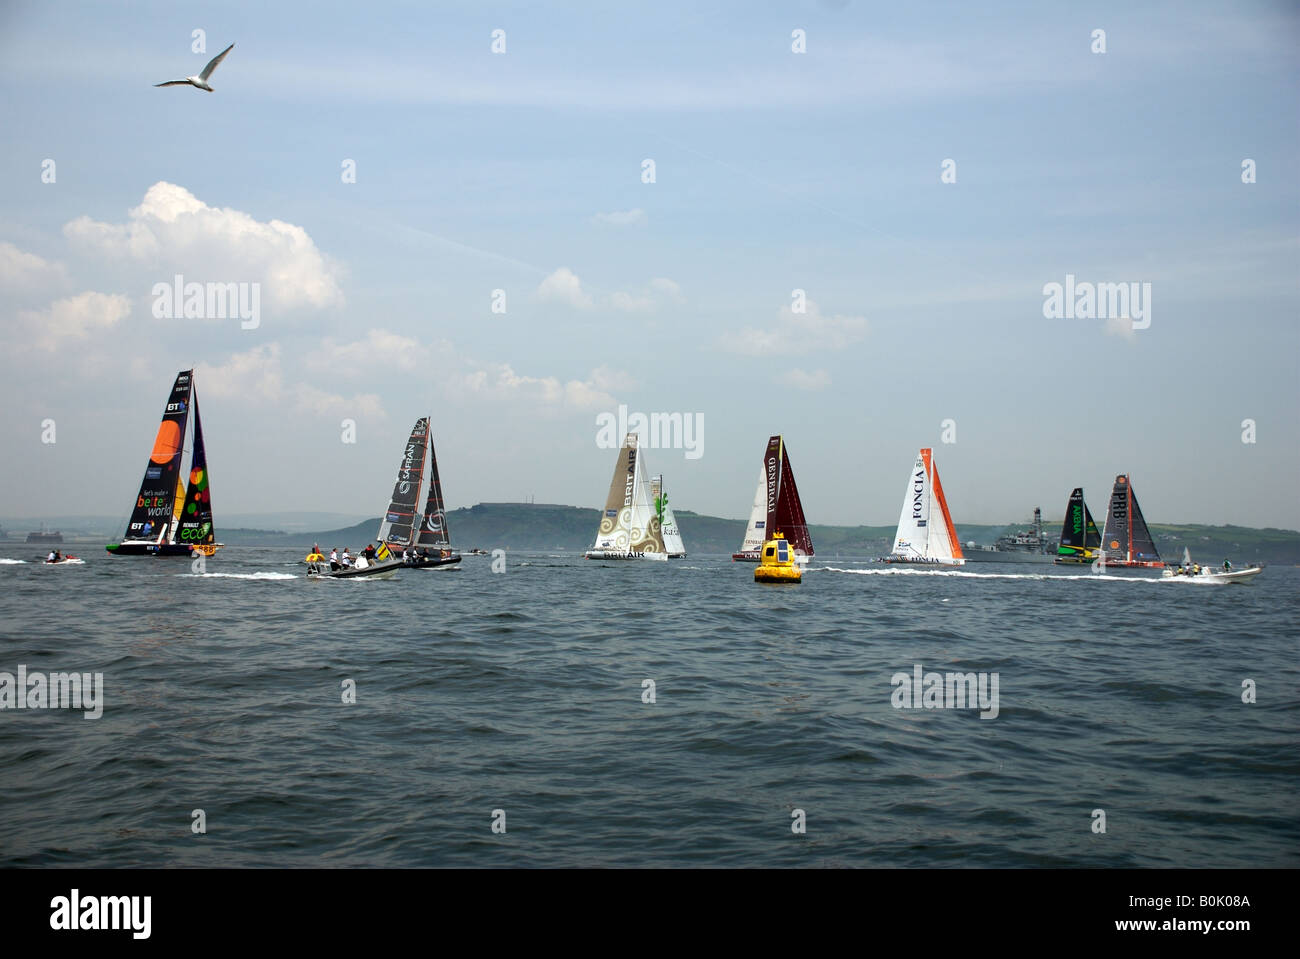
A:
634, 217
24, 271
74, 318
381, 350
805, 332
802, 380
256, 378
501, 382
651, 297
1121, 326
563, 286
174, 231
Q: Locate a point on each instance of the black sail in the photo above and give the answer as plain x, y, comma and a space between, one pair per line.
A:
1126, 534
1144, 547
1092, 538
397, 524
1074, 531
152, 516
196, 515
433, 524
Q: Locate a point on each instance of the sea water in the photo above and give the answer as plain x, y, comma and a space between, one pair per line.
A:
565, 712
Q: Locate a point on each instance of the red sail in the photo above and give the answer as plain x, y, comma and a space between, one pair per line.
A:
784, 511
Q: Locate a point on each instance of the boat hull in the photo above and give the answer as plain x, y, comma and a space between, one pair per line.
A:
152, 549
434, 562
1217, 577
374, 571
623, 554
912, 561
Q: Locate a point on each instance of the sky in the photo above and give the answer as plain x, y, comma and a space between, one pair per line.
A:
855, 214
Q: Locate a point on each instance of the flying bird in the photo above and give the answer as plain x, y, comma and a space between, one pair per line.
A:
201, 81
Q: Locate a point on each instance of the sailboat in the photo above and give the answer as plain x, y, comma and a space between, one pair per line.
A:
169, 517
776, 509
673, 544
402, 527
1126, 538
1079, 537
925, 531
629, 526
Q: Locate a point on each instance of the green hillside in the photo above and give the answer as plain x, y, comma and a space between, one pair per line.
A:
543, 526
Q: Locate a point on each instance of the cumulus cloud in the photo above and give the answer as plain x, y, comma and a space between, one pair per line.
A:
634, 217
654, 295
21, 271
174, 231
499, 381
256, 378
563, 286
74, 318
802, 380
1121, 326
805, 332
381, 350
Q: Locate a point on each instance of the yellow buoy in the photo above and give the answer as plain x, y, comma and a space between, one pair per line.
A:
776, 563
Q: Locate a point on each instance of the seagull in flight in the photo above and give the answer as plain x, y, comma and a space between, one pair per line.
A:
201, 81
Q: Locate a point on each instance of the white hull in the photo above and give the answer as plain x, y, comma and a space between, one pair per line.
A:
622, 554
1221, 578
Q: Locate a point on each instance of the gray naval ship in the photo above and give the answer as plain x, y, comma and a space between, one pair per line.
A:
1026, 546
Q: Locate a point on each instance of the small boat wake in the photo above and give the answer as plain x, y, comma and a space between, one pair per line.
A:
964, 574
262, 576
13, 562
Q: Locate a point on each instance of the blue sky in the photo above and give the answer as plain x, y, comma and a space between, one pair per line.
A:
775, 171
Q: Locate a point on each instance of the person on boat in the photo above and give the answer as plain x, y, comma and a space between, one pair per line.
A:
334, 558
424, 552
1227, 567
53, 557
347, 558
369, 553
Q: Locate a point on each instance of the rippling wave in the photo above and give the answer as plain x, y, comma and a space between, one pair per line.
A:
527, 692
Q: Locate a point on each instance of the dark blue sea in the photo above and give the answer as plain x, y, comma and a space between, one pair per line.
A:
522, 692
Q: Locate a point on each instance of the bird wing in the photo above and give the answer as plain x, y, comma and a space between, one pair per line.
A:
214, 63
174, 83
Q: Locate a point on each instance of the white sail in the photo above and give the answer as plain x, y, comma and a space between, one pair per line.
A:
913, 535
673, 544
925, 531
756, 532
629, 526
